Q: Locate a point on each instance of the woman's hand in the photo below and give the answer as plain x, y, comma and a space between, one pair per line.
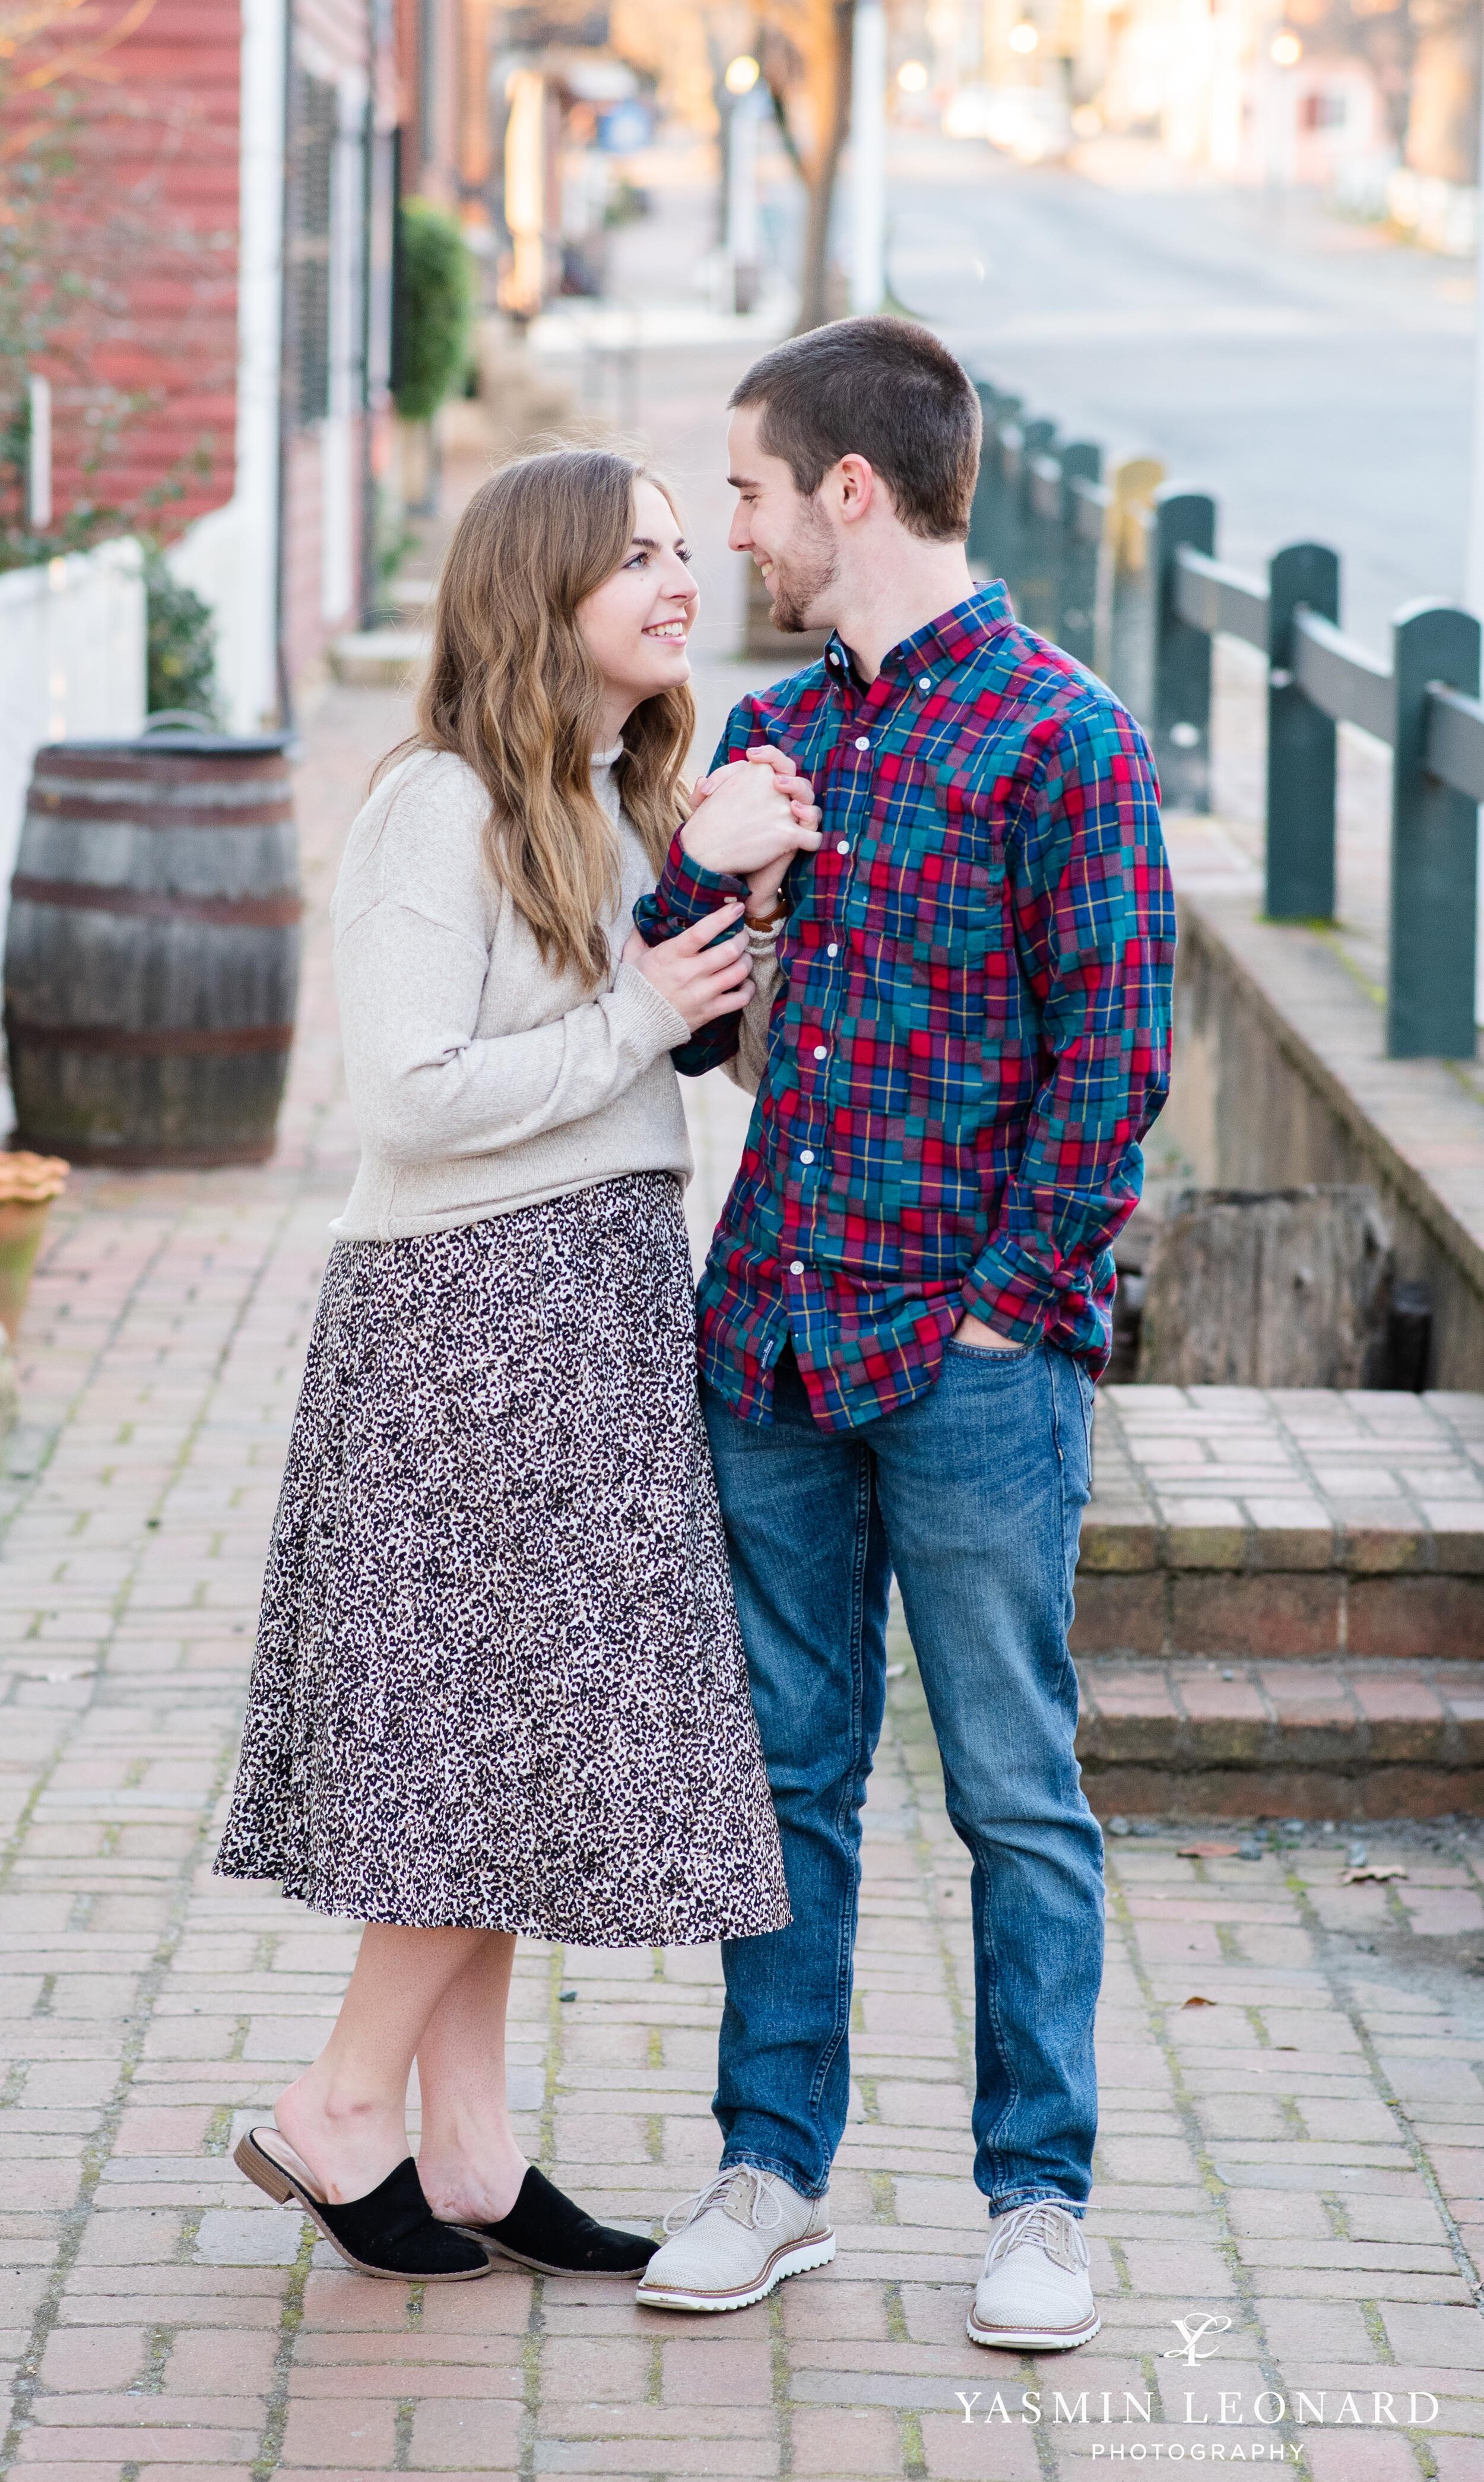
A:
699, 980
753, 817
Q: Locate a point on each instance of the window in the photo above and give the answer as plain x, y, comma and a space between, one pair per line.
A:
1322, 112
306, 293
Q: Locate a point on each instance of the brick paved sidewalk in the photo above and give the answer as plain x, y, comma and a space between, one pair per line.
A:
1301, 2156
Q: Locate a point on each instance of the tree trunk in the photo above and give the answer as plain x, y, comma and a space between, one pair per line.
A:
1443, 124
831, 107
1268, 1289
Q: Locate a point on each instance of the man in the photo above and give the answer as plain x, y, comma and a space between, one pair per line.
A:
908, 1298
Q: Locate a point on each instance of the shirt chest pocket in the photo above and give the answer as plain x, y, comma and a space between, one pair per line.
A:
954, 890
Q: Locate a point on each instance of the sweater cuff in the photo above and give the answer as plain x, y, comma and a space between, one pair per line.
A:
652, 1013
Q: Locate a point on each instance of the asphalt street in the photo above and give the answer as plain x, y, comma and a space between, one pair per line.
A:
1313, 373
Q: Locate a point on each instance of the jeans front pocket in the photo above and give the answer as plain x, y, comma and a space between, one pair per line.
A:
1013, 1356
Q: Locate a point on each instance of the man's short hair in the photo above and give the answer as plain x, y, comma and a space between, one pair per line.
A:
884, 389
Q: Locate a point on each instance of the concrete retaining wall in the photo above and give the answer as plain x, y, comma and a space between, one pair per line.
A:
1280, 1078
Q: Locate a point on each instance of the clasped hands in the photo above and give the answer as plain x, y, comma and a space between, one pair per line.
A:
749, 821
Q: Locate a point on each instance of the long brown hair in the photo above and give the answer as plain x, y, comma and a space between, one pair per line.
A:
512, 689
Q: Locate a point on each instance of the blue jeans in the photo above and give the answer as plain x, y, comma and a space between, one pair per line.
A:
973, 1496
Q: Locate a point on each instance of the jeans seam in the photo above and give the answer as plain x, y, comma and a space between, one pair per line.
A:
1068, 1541
986, 1946
850, 1923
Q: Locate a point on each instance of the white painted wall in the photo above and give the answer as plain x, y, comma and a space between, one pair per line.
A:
228, 557
71, 667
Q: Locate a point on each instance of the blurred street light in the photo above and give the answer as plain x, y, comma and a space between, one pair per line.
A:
1288, 50
1023, 38
868, 157
743, 239
913, 77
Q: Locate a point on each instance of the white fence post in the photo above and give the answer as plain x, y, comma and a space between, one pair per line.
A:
72, 667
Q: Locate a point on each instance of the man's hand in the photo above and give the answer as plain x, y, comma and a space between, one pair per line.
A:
698, 980
984, 1339
751, 820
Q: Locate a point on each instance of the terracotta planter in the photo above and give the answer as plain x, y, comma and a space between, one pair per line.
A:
28, 1184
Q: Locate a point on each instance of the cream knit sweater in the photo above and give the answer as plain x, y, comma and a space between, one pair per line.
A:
482, 1081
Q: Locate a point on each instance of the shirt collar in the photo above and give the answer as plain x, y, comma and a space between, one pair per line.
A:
941, 646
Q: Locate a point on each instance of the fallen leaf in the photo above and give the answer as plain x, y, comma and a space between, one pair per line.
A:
1206, 1851
1373, 1870
1199, 2002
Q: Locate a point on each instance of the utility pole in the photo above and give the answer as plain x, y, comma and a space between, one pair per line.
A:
1473, 546
1473, 562
868, 157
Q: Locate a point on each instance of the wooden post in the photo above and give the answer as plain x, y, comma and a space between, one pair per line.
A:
984, 516
1268, 1289
1300, 746
1181, 724
1020, 442
1077, 583
1123, 633
1430, 996
1038, 601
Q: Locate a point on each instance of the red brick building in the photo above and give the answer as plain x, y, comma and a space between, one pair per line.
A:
229, 213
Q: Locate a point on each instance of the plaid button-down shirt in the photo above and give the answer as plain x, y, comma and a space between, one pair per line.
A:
972, 1030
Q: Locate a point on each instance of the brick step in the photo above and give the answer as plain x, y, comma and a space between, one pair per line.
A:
1282, 1739
1297, 1523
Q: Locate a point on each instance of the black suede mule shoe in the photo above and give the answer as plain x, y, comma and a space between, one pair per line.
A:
545, 2230
391, 2232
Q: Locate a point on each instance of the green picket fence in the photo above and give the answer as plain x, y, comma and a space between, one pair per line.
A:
1120, 568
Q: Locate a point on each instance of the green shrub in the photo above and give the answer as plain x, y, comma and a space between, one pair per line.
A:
182, 645
434, 308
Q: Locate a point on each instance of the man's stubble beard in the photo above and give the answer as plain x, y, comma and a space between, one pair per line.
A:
808, 570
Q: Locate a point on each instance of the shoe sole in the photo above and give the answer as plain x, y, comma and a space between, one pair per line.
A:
799, 2259
1032, 2339
280, 2186
545, 2266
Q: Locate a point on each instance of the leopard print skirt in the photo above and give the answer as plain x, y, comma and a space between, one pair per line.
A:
499, 1680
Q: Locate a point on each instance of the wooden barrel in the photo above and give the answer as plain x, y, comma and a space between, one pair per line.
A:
151, 958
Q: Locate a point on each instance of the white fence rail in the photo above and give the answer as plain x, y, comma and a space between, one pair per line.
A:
72, 667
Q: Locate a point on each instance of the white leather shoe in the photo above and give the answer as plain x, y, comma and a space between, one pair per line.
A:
1035, 2294
734, 2242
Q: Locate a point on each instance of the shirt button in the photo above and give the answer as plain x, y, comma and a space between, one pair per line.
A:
796, 1267
806, 1156
820, 1051
842, 846
863, 743
833, 949
926, 681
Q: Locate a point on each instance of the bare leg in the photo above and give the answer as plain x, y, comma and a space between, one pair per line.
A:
470, 2165
347, 2115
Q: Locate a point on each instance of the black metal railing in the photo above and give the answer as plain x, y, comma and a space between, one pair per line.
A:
1121, 569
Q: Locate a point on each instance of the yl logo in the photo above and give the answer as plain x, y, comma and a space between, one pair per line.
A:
1194, 2332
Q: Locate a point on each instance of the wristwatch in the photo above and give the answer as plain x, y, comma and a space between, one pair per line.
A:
768, 921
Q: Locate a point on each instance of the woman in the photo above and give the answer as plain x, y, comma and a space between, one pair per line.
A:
499, 1684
